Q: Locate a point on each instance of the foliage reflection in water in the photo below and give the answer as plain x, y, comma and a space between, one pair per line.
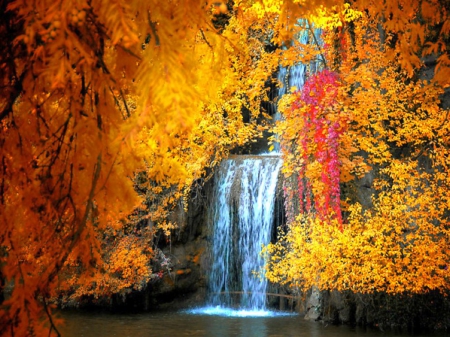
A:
185, 323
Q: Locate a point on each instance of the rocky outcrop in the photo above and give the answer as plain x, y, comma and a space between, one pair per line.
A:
400, 312
184, 284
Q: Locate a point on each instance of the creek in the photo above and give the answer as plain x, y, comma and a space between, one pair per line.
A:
184, 323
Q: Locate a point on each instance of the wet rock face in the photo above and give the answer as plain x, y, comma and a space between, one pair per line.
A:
184, 285
314, 306
395, 312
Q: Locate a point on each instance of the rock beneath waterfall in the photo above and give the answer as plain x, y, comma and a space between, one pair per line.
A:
184, 285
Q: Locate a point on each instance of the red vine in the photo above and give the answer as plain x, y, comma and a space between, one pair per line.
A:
319, 141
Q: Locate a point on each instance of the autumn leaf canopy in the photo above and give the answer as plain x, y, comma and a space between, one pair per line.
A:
96, 94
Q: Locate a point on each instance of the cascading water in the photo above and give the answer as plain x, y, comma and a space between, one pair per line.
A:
295, 75
242, 217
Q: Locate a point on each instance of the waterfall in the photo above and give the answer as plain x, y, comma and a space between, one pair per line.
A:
241, 215
241, 218
295, 75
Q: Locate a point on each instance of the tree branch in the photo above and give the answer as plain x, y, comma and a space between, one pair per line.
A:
52, 324
317, 44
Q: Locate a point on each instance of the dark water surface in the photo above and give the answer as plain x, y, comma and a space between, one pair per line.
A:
174, 324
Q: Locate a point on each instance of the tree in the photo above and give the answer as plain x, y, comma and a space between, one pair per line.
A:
394, 126
93, 93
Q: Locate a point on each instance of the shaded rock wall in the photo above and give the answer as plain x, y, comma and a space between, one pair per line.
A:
400, 312
185, 284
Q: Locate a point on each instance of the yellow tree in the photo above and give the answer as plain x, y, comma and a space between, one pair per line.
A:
393, 75
67, 158
237, 83
92, 92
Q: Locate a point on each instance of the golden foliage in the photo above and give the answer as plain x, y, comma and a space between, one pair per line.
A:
126, 266
398, 132
95, 91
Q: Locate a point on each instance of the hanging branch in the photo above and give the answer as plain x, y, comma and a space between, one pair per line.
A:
125, 103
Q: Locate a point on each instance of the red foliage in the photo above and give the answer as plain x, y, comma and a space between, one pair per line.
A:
319, 141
